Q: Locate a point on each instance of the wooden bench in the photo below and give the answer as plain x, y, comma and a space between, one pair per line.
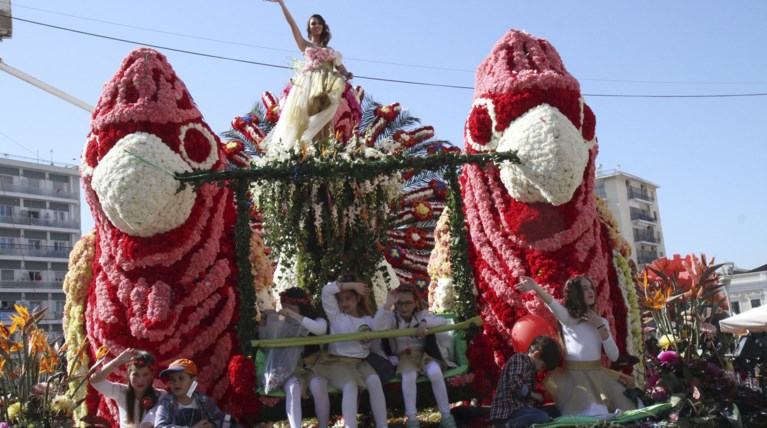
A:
459, 347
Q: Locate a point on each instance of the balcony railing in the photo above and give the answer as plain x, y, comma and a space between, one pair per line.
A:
645, 236
39, 187
26, 220
636, 193
31, 250
637, 214
50, 285
645, 257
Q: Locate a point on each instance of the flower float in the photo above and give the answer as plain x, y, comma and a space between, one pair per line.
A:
160, 272
539, 217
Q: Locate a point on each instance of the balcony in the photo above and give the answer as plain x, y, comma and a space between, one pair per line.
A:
35, 186
19, 219
645, 256
641, 215
34, 250
640, 194
645, 236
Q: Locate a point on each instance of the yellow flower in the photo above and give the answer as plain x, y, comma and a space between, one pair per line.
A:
102, 352
63, 403
14, 410
666, 340
19, 319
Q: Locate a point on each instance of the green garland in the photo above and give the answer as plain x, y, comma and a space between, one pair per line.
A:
247, 327
311, 169
463, 279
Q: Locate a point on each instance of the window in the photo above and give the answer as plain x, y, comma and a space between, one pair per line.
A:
61, 246
6, 275
755, 303
6, 242
33, 214
34, 244
735, 307
6, 210
35, 275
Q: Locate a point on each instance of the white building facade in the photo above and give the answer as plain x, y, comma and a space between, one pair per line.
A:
747, 289
39, 224
633, 201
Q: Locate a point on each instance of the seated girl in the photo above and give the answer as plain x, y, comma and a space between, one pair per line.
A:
411, 353
344, 365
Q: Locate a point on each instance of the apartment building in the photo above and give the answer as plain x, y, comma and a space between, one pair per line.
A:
39, 224
633, 201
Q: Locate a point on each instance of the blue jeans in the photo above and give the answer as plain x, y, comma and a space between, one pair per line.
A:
526, 416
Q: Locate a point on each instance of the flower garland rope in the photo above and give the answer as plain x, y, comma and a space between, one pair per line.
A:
247, 328
310, 169
463, 280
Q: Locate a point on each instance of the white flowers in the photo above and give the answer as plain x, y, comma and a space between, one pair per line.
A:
553, 156
136, 187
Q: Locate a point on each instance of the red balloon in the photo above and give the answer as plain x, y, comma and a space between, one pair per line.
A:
527, 328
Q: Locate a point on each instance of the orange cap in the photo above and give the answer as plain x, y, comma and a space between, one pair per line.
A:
182, 364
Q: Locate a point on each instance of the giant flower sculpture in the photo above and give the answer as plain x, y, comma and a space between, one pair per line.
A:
158, 272
540, 217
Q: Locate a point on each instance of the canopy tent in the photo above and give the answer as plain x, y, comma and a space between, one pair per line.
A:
753, 320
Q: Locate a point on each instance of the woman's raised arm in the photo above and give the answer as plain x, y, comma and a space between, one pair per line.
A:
300, 41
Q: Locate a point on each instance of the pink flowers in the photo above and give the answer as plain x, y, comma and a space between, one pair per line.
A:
668, 359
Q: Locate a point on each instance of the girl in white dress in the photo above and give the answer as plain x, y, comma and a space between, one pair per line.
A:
345, 366
136, 401
411, 355
583, 386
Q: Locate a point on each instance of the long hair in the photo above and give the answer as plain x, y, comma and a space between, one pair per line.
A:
417, 298
574, 300
142, 360
299, 296
325, 35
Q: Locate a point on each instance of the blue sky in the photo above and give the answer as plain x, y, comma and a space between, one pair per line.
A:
707, 154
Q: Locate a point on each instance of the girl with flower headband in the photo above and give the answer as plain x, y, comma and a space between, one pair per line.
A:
345, 365
317, 89
296, 306
583, 386
415, 354
136, 401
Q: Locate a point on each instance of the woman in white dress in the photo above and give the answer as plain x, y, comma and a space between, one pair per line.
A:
316, 89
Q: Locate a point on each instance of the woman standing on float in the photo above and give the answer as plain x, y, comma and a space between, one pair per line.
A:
316, 91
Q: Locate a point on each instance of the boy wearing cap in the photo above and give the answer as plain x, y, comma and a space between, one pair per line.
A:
184, 407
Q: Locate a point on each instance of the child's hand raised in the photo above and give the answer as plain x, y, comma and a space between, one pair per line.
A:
525, 284
360, 287
391, 298
592, 318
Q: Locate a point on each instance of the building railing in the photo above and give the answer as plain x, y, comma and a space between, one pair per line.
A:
50, 222
638, 214
32, 250
645, 236
49, 285
39, 187
645, 256
637, 193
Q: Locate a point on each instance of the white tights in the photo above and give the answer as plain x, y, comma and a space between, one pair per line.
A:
377, 402
319, 388
434, 373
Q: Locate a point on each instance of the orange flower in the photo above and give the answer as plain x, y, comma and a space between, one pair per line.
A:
102, 352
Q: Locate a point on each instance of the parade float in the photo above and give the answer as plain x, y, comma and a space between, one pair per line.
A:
186, 235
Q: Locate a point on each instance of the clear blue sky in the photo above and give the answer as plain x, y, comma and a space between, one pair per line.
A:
707, 154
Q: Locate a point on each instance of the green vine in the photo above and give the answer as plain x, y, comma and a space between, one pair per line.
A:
247, 328
463, 280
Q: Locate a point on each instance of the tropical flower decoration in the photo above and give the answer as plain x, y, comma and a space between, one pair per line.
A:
36, 389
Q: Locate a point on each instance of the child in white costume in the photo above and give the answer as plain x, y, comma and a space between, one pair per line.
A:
583, 386
344, 365
296, 306
411, 355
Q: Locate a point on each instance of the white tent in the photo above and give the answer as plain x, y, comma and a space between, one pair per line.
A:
753, 320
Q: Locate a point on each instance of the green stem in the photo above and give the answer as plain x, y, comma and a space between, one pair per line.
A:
369, 335
463, 279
